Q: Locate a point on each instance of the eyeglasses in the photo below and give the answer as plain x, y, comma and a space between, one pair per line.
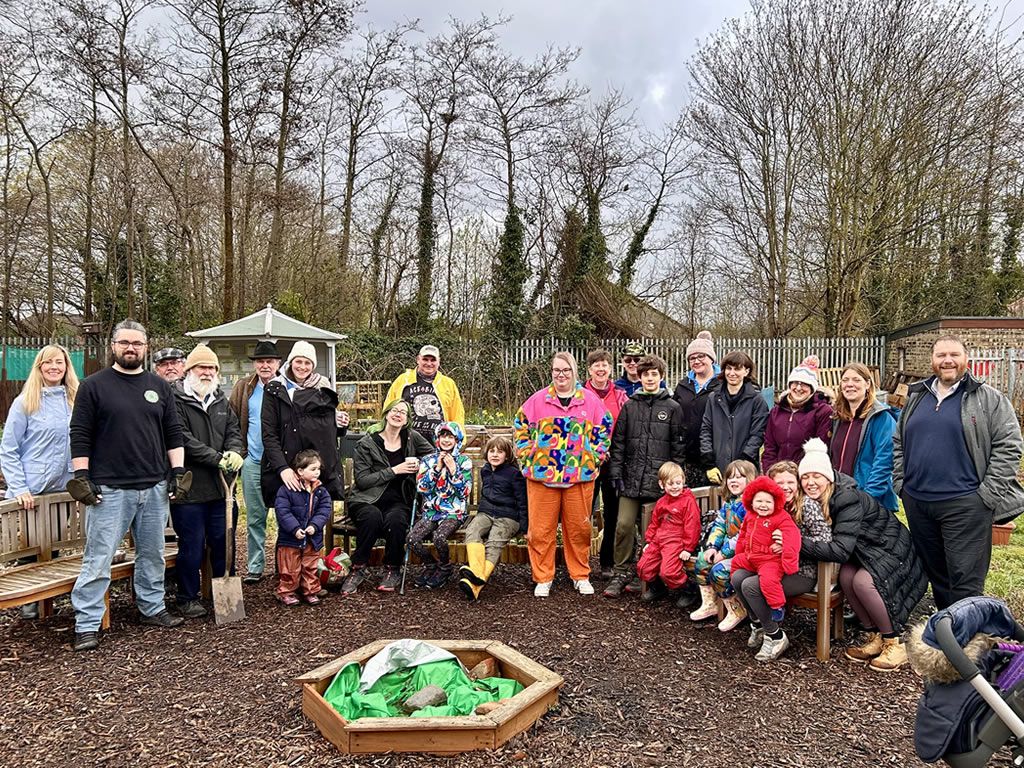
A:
132, 344
695, 358
561, 371
629, 359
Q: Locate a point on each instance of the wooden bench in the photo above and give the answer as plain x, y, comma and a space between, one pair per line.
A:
828, 603
54, 534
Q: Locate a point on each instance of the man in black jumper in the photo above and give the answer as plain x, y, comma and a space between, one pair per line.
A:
956, 452
124, 432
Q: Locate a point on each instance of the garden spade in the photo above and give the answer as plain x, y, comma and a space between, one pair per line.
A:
227, 590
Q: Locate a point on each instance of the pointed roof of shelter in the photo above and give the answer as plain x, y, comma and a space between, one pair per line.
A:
267, 323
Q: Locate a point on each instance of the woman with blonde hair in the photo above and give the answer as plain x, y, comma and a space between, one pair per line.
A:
35, 452
862, 435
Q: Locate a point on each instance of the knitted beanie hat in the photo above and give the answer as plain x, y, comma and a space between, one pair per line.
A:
816, 459
806, 372
702, 345
302, 349
763, 484
201, 355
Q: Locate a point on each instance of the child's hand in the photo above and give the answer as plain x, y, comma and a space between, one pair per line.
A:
310, 530
300, 534
684, 556
777, 542
449, 461
711, 555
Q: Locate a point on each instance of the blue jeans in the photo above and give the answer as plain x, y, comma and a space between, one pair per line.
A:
255, 516
198, 526
145, 513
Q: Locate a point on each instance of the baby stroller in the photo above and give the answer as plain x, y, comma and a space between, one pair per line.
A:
971, 657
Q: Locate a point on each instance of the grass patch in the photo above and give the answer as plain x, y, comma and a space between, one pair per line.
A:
1006, 574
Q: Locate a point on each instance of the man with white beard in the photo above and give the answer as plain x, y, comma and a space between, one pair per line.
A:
213, 444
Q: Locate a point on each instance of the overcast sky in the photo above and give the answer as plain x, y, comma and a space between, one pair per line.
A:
640, 46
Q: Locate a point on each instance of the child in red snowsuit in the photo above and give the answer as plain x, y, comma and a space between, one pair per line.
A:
765, 502
674, 530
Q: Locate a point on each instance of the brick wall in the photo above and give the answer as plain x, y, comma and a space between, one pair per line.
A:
915, 348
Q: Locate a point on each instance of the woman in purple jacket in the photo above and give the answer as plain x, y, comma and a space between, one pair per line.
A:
801, 413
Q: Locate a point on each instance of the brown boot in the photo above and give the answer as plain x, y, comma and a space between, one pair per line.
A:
869, 650
892, 657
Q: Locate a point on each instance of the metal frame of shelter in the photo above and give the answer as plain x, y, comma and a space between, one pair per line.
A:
234, 341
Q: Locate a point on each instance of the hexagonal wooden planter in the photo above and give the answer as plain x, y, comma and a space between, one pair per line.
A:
438, 735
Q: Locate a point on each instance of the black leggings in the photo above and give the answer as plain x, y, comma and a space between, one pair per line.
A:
390, 524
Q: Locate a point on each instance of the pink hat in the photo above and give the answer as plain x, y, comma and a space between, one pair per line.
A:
703, 345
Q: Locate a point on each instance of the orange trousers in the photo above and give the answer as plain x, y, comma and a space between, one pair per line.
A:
297, 567
546, 506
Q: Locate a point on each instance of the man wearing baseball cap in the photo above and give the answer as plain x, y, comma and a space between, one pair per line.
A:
246, 401
433, 398
169, 364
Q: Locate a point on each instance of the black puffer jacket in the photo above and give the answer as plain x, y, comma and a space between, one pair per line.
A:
503, 493
865, 533
726, 436
648, 432
208, 434
693, 405
293, 424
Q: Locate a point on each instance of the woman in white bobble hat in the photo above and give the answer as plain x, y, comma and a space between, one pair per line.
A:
300, 412
801, 413
880, 574
692, 394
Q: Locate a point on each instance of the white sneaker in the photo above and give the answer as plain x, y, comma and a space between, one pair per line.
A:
584, 587
543, 589
756, 639
772, 649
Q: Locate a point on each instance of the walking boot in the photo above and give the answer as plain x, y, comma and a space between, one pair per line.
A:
708, 605
892, 657
474, 569
441, 575
614, 587
867, 651
735, 613
425, 575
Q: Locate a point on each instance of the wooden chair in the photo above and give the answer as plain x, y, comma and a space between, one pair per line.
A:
828, 602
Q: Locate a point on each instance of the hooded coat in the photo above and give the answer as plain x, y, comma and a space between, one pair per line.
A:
296, 510
648, 432
866, 533
35, 453
725, 435
208, 434
754, 543
445, 494
503, 493
789, 428
874, 463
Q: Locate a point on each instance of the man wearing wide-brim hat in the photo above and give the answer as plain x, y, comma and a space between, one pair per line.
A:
247, 402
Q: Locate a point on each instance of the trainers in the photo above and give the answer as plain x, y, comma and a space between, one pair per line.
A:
439, 578
772, 649
635, 586
614, 587
191, 609
425, 575
892, 657
607, 573
583, 586
866, 651
353, 580
543, 589
252, 578
289, 600
390, 581
756, 638
162, 619
311, 600
86, 641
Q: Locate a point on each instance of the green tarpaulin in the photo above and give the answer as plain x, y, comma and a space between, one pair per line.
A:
384, 698
18, 361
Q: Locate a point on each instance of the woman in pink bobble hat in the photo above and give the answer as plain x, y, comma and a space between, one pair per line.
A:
801, 413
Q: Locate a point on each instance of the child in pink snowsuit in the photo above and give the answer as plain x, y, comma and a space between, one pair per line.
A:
674, 530
765, 503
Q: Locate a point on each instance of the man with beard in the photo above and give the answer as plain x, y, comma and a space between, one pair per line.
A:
124, 433
956, 452
213, 444
433, 398
169, 364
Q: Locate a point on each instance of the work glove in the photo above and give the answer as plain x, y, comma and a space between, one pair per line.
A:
230, 462
715, 475
84, 490
179, 484
619, 485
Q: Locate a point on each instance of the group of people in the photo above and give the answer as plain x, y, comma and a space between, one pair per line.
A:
137, 447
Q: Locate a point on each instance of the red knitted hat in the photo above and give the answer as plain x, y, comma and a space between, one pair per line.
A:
767, 485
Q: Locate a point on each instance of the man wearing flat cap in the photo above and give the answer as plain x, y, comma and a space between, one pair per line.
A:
433, 398
169, 364
247, 402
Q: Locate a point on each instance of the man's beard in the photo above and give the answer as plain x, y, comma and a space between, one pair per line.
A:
200, 387
128, 365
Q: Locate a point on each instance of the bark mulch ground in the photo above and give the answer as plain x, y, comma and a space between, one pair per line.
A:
644, 686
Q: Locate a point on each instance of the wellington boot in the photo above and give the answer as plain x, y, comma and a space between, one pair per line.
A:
489, 569
474, 569
892, 657
469, 589
735, 614
708, 605
866, 652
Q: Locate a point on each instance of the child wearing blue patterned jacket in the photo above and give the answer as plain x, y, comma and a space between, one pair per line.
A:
711, 567
444, 481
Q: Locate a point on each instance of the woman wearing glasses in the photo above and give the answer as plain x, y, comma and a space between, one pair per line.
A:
562, 434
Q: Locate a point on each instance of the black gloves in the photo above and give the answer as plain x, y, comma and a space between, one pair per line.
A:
84, 490
619, 485
179, 484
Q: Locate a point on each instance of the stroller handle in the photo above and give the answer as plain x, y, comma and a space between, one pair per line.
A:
951, 648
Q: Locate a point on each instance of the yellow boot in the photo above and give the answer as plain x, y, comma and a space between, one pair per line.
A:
473, 571
866, 652
892, 657
471, 590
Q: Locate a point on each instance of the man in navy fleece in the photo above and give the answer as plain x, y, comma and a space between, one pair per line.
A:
124, 433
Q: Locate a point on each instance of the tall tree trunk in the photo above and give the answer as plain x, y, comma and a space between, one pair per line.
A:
228, 262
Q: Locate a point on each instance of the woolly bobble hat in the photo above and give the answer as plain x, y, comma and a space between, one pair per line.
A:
702, 345
764, 484
816, 459
302, 349
806, 372
201, 355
